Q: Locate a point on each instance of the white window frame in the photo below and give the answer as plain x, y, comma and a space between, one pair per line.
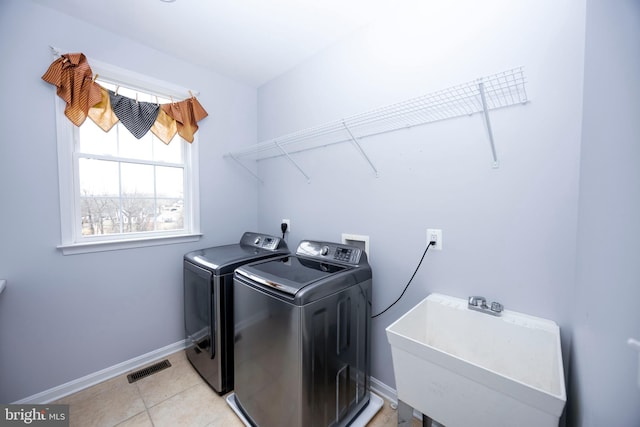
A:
72, 242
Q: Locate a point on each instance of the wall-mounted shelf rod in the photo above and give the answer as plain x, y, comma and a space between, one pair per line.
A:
246, 168
293, 162
355, 143
488, 123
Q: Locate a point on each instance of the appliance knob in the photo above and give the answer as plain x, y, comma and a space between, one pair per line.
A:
324, 250
257, 241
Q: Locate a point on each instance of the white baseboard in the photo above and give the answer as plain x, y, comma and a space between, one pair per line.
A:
383, 390
76, 385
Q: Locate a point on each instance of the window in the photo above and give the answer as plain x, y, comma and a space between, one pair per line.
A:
118, 191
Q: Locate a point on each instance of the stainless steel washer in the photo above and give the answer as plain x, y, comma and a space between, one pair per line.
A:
302, 337
208, 303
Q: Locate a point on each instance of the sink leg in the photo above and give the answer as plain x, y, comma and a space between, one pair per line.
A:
405, 414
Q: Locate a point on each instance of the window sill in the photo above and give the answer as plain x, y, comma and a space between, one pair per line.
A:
115, 245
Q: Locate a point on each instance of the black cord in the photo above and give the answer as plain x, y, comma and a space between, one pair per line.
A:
408, 283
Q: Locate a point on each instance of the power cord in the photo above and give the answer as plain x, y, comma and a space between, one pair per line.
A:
283, 227
408, 283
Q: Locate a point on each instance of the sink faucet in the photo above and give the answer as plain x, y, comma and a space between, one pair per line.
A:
480, 304
477, 301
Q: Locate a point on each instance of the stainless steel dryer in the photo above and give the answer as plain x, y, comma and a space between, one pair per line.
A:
302, 337
208, 303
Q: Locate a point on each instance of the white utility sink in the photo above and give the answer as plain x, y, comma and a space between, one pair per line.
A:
466, 368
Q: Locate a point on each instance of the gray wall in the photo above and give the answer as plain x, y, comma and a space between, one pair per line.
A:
508, 233
604, 369
64, 317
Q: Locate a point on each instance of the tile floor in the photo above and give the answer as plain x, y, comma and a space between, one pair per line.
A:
174, 397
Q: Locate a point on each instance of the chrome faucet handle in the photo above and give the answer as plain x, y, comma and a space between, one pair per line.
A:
477, 301
497, 307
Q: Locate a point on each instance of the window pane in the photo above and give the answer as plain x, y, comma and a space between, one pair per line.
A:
138, 214
137, 180
170, 188
93, 140
132, 147
171, 215
170, 182
137, 209
171, 153
98, 178
99, 215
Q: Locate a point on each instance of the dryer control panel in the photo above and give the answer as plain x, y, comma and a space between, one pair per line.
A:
330, 251
266, 242
263, 241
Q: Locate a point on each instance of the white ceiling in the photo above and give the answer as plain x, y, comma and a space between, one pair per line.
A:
252, 41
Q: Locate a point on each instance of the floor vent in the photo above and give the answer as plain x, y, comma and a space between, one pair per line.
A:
149, 370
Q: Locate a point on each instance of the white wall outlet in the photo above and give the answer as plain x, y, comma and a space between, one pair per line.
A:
288, 222
435, 235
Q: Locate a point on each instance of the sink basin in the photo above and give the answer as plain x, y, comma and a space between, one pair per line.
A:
462, 367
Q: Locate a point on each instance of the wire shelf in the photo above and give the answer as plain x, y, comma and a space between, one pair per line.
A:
478, 96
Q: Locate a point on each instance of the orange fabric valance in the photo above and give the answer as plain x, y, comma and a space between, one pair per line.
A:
73, 77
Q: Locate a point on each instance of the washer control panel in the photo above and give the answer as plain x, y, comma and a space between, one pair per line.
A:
330, 251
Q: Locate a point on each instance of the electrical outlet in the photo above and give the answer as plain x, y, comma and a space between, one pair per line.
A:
435, 235
288, 222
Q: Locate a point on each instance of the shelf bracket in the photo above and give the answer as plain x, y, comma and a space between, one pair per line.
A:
357, 146
485, 109
292, 161
246, 168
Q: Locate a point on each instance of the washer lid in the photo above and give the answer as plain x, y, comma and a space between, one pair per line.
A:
290, 274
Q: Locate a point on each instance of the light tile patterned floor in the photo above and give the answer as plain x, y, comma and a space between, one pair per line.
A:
174, 397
